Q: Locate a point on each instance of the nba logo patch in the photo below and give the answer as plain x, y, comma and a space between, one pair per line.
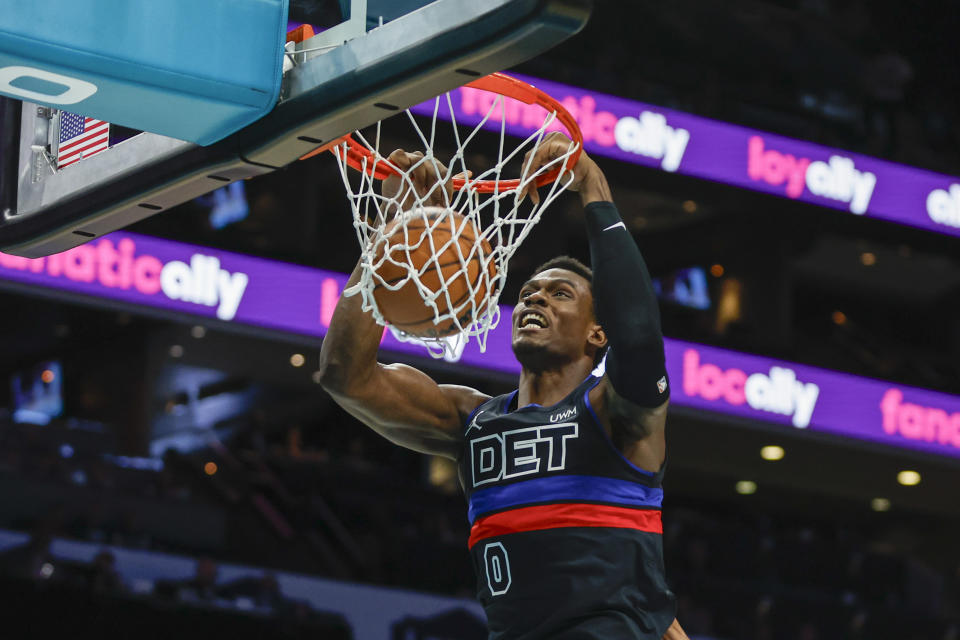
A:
662, 384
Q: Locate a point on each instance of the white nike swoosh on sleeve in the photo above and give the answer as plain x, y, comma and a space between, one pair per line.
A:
618, 224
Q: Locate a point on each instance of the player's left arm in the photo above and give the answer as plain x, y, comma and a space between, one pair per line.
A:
635, 393
636, 390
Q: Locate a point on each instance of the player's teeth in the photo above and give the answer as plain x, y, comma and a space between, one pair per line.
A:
534, 319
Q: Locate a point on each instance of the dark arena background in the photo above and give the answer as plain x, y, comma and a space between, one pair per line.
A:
170, 466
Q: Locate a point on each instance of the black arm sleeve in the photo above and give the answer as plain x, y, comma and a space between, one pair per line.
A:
626, 308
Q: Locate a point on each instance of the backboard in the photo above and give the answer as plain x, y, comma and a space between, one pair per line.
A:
331, 88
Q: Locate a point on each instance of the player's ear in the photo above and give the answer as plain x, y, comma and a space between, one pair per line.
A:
597, 336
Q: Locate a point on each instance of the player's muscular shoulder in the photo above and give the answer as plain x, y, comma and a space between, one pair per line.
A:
466, 399
624, 419
638, 432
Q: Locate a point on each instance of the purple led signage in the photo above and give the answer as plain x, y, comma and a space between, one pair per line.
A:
252, 291
803, 397
679, 142
210, 283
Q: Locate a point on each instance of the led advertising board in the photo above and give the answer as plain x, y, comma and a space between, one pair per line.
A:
208, 283
682, 143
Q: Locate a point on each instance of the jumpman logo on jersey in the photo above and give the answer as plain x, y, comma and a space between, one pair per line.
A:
473, 423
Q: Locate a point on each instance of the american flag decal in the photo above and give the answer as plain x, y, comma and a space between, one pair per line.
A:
80, 137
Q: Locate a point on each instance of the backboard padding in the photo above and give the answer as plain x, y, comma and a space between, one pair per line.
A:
406, 61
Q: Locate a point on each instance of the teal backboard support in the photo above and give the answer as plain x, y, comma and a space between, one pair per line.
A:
328, 93
192, 70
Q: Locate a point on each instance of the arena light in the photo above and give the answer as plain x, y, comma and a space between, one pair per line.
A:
868, 258
297, 360
210, 468
908, 478
772, 453
716, 270
176, 351
47, 376
839, 318
198, 331
746, 487
880, 504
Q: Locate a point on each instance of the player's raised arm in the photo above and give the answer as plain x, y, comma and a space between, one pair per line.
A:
638, 391
398, 401
636, 397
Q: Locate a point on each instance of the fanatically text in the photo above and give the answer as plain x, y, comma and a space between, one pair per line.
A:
943, 206
648, 134
201, 281
680, 142
917, 422
651, 136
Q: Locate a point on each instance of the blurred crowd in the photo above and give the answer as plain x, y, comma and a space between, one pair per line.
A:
856, 75
35, 568
749, 576
349, 505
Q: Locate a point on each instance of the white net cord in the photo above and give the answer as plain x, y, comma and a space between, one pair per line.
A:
492, 228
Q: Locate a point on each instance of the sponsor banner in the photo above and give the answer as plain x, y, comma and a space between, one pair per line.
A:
240, 289
802, 397
679, 142
221, 285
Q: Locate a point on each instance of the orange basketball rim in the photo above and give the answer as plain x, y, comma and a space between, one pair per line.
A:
362, 158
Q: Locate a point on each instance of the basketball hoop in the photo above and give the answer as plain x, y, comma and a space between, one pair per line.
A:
490, 201
363, 158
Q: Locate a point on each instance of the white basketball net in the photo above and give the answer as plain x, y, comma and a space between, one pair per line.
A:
494, 217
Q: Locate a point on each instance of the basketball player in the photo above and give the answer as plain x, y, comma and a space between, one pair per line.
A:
563, 476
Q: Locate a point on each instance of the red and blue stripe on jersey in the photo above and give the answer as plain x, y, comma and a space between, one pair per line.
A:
560, 501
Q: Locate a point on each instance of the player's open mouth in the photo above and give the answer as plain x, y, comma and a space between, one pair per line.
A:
532, 320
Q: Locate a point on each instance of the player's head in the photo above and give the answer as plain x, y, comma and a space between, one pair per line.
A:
555, 319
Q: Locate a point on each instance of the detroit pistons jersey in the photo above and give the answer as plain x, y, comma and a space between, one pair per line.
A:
566, 533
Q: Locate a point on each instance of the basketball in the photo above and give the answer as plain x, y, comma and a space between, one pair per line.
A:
441, 245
